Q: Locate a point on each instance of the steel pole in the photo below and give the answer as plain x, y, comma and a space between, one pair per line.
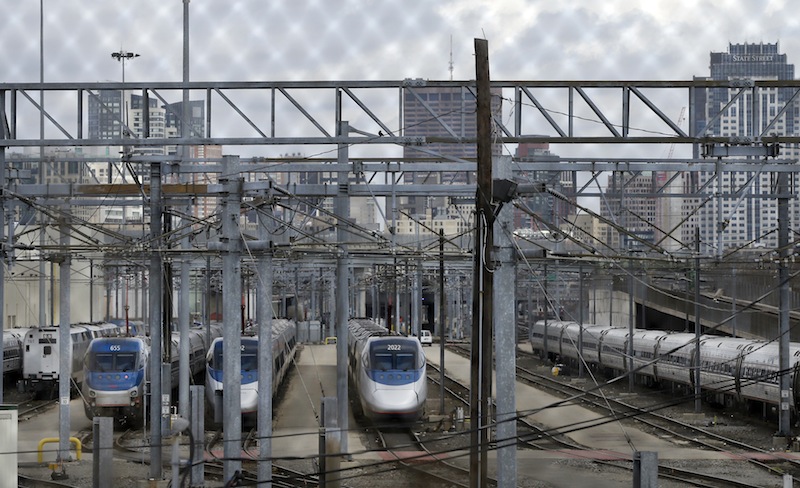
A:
232, 319
155, 320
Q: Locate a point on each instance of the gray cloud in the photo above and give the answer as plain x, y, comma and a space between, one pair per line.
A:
385, 39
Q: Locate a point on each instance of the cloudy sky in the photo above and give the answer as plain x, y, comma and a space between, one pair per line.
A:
385, 39
312, 40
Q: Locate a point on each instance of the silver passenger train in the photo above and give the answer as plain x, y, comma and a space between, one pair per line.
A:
731, 369
387, 372
12, 353
283, 346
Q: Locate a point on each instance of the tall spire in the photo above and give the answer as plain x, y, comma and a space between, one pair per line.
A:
451, 57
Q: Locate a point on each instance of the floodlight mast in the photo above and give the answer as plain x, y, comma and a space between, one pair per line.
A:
123, 56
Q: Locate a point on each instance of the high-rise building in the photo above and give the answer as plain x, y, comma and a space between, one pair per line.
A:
630, 203
173, 114
449, 112
115, 114
743, 214
443, 111
544, 212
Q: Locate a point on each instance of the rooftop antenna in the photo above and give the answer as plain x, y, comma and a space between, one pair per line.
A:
451, 57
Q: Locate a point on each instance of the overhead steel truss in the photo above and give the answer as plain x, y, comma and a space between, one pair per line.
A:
605, 114
306, 112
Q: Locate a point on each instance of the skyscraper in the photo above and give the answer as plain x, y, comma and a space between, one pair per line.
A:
743, 213
444, 111
109, 111
549, 212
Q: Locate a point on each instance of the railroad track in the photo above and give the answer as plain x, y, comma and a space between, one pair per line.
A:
28, 482
406, 450
668, 426
282, 476
544, 439
130, 448
31, 408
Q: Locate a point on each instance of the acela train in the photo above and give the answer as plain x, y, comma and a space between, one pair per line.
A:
731, 369
387, 372
283, 347
115, 370
41, 355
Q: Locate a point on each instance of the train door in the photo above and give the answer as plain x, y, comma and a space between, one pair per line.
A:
656, 355
737, 371
48, 354
692, 366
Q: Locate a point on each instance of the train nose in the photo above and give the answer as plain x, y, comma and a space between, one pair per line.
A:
249, 400
396, 400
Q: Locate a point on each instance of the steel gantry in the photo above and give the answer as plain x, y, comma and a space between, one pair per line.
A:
599, 126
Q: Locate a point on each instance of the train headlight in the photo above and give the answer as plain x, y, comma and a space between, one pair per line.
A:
92, 393
134, 393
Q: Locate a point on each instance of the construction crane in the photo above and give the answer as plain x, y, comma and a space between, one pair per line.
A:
680, 121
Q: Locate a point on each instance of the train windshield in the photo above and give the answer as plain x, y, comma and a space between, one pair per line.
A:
108, 361
392, 355
249, 356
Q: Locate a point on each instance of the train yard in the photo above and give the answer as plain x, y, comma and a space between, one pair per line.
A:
564, 421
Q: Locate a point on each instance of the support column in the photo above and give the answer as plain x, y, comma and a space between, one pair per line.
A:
417, 311
481, 354
232, 318
103, 452
197, 420
341, 208
154, 298
631, 320
645, 469
581, 306
698, 329
505, 327
64, 341
3, 254
265, 361
784, 300
442, 321
185, 267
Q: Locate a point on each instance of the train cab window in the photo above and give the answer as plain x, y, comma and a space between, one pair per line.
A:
249, 355
405, 362
382, 361
102, 362
249, 362
216, 358
126, 362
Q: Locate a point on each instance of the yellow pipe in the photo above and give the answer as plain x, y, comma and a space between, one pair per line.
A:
48, 440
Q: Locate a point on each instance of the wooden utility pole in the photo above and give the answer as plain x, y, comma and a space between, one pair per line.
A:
481, 352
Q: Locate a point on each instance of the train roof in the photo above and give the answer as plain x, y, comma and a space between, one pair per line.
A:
126, 343
364, 328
